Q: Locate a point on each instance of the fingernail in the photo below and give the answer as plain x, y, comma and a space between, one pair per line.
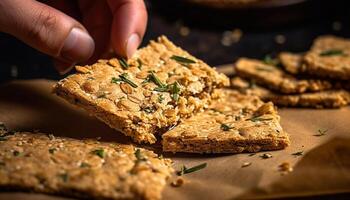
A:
79, 46
63, 67
132, 44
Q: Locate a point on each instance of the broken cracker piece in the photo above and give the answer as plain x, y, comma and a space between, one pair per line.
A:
81, 168
233, 124
160, 85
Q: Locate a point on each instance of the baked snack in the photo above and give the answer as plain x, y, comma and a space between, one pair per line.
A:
144, 96
81, 168
234, 123
329, 57
322, 99
291, 62
276, 79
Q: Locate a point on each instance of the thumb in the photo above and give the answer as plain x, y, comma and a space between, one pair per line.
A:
46, 29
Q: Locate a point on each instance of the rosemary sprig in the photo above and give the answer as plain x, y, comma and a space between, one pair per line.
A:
182, 60
332, 52
124, 78
139, 156
321, 132
185, 170
139, 62
123, 63
99, 152
225, 127
173, 89
299, 153
257, 119
270, 61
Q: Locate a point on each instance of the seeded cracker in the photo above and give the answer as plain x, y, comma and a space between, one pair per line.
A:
81, 168
276, 79
236, 123
160, 85
329, 57
322, 99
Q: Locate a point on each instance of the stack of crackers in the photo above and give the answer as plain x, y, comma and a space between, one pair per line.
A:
319, 78
162, 94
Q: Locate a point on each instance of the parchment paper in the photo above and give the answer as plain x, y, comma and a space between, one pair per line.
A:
324, 168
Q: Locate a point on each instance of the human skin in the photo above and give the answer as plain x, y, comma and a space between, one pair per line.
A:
76, 31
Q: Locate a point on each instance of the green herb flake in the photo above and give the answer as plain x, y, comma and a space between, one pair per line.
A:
321, 132
2, 138
84, 165
155, 79
51, 136
174, 90
123, 63
149, 109
139, 156
270, 61
257, 119
251, 154
266, 156
16, 153
299, 153
332, 52
52, 150
225, 127
182, 60
185, 170
139, 62
99, 152
160, 98
123, 78
64, 177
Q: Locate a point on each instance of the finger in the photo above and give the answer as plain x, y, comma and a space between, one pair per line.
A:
97, 19
128, 26
46, 29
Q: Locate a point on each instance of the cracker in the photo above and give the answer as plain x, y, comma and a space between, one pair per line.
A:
80, 168
235, 123
160, 85
329, 57
322, 99
291, 62
276, 79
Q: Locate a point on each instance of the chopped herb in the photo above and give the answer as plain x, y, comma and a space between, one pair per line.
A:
160, 98
155, 79
84, 165
123, 63
149, 109
139, 62
173, 89
225, 127
123, 78
51, 136
52, 150
332, 52
252, 154
182, 60
321, 132
103, 95
299, 153
139, 156
99, 152
160, 156
185, 170
266, 156
246, 164
270, 61
216, 110
64, 177
16, 153
256, 119
2, 138
252, 84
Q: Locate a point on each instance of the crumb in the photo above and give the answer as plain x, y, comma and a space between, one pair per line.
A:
246, 164
184, 31
178, 182
285, 168
337, 26
230, 37
280, 39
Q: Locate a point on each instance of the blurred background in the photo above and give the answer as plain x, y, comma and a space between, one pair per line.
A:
216, 31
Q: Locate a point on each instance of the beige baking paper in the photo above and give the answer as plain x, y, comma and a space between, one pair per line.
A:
324, 168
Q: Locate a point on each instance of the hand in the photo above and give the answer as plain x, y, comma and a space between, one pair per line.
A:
75, 31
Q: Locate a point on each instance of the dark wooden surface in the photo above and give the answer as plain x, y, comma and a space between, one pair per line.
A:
299, 23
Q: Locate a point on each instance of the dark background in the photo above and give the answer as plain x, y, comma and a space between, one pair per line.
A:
298, 23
